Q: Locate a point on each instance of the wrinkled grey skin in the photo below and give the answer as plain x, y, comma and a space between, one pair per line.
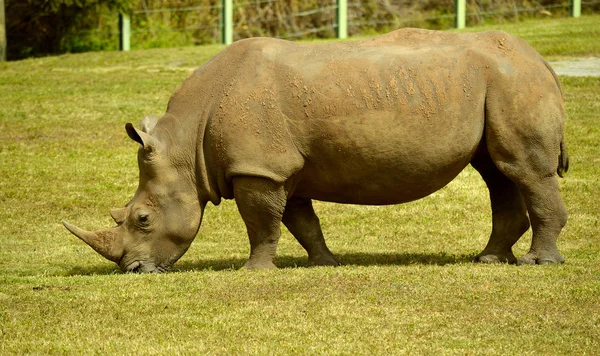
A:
276, 124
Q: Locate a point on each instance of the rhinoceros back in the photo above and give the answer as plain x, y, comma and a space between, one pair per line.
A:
351, 122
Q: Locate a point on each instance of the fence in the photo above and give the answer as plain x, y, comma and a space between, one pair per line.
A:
176, 23
226, 23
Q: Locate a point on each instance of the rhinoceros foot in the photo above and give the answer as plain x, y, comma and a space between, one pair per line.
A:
489, 257
259, 264
323, 260
541, 258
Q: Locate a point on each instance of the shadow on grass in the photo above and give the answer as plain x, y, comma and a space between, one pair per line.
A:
347, 259
105, 269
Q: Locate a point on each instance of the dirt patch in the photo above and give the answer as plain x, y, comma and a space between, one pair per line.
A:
585, 67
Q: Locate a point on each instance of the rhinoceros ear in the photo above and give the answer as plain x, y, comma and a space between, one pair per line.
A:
148, 123
149, 143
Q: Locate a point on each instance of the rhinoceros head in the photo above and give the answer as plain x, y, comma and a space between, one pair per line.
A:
158, 225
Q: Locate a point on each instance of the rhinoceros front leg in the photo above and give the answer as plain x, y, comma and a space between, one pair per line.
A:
509, 213
300, 218
261, 203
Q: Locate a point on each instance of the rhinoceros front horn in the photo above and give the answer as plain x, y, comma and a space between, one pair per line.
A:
106, 242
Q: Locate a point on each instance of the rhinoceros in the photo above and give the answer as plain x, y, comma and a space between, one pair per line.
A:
275, 124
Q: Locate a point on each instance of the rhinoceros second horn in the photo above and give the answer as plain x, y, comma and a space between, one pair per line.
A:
118, 215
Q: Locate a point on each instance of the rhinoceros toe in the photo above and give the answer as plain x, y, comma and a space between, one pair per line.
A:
541, 258
486, 257
323, 260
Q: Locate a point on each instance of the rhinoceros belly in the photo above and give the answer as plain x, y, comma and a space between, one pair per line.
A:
385, 125
384, 158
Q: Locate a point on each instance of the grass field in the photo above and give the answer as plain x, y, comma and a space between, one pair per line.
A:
406, 286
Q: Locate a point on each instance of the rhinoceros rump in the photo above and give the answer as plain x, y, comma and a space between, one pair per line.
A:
275, 124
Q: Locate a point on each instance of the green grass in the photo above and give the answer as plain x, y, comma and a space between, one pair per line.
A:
557, 38
406, 287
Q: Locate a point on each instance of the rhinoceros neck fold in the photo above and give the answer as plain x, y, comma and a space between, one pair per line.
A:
186, 133
207, 186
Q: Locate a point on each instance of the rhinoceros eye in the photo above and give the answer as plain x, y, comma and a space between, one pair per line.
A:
143, 218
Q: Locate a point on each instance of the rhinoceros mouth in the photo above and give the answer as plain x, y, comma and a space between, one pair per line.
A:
144, 267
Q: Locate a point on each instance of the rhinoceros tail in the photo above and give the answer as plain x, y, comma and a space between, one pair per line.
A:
563, 159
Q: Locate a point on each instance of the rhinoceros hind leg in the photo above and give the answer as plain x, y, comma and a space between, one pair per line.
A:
548, 217
301, 220
261, 203
524, 141
509, 213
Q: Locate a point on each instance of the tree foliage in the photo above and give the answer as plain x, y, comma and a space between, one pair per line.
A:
40, 27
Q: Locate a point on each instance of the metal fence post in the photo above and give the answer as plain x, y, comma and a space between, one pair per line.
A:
575, 8
342, 18
226, 21
2, 32
460, 9
124, 32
